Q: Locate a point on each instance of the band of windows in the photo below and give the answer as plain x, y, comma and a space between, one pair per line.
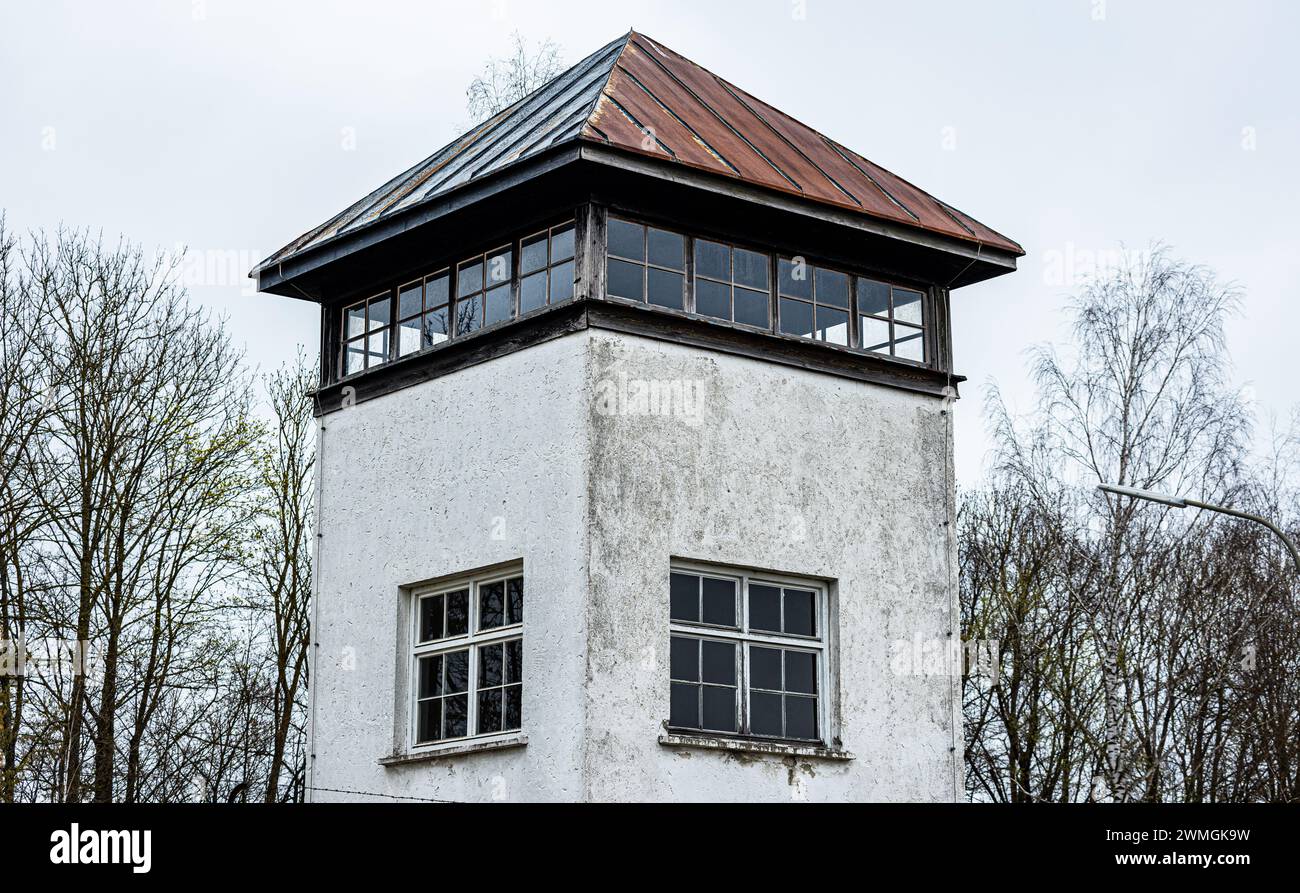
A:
734, 284
647, 264
488, 288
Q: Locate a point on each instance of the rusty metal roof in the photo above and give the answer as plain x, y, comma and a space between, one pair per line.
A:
638, 96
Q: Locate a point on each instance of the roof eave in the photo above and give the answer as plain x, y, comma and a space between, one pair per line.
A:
985, 260
281, 277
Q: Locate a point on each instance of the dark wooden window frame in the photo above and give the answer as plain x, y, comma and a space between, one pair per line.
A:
451, 266
929, 296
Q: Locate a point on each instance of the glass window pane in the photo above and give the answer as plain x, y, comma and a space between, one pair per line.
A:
684, 591
800, 717
458, 613
457, 671
832, 325
751, 268
515, 661
491, 604
562, 243
719, 709
377, 349
437, 290
765, 668
410, 300
455, 716
907, 305
356, 320
801, 672
873, 297
500, 267
666, 289
562, 282
489, 712
625, 280
354, 359
626, 239
469, 278
719, 602
431, 618
752, 308
514, 707
718, 662
684, 659
832, 288
532, 254
874, 334
378, 312
667, 249
712, 259
713, 299
765, 714
515, 600
429, 724
532, 292
795, 279
909, 343
500, 305
469, 314
764, 608
435, 327
796, 318
409, 338
491, 665
799, 612
430, 676
684, 711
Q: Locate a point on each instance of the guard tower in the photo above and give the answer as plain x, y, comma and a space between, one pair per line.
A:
634, 459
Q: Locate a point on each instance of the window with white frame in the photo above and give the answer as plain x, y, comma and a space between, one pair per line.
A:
467, 659
748, 655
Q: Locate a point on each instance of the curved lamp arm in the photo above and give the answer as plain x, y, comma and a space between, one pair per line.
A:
1181, 502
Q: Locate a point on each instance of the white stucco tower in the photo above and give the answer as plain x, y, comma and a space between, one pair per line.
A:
635, 458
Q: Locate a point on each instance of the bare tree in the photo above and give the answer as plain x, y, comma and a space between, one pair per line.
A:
146, 460
280, 568
1139, 676
507, 80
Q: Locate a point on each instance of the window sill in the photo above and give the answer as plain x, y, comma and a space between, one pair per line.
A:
457, 749
739, 745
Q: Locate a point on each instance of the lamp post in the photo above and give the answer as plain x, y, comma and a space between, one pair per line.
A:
1182, 502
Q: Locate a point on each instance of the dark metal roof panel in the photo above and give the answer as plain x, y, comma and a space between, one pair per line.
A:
549, 116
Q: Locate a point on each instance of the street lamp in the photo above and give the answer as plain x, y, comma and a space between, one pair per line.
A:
1182, 502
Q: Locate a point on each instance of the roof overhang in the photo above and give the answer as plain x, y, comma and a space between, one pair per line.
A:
950, 262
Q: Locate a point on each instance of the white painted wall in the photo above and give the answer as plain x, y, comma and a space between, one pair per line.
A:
787, 471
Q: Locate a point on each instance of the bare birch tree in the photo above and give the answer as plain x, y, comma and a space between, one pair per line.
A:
507, 80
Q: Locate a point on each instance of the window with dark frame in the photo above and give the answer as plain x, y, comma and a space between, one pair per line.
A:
645, 264
467, 652
731, 284
546, 268
424, 313
366, 332
484, 291
891, 320
747, 656
813, 302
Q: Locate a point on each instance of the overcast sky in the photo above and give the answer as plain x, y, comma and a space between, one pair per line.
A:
1070, 125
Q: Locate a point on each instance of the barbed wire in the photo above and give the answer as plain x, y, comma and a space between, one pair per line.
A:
377, 794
